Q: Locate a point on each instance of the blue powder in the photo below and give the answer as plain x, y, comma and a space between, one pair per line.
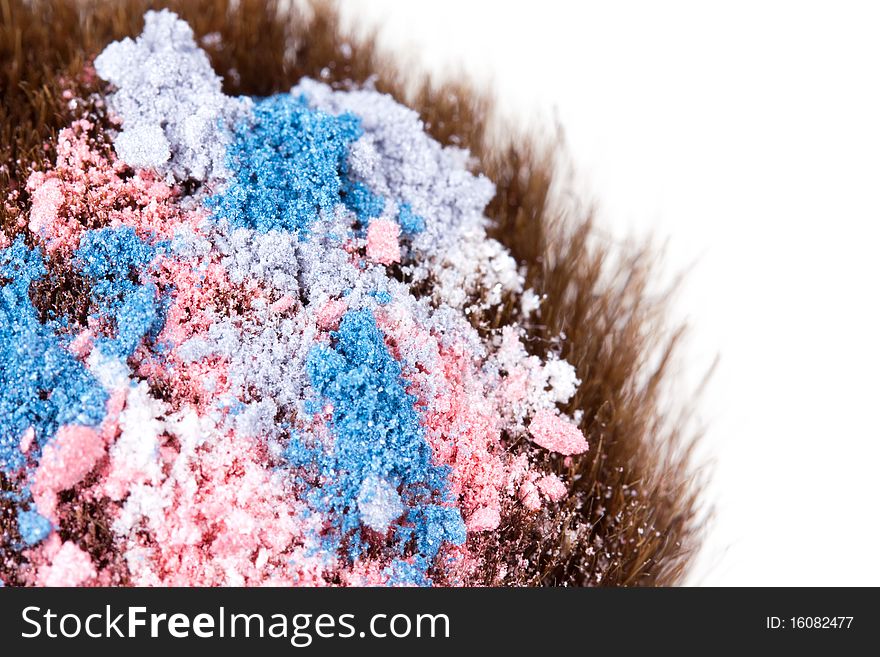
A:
41, 384
113, 259
287, 165
298, 454
110, 255
367, 205
410, 222
377, 435
403, 573
359, 199
33, 527
431, 525
139, 315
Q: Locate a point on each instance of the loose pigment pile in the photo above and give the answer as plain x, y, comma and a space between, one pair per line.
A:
276, 368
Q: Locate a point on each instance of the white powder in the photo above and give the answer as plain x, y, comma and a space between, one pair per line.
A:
175, 118
378, 504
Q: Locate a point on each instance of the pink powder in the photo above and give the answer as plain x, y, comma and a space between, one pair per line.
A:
330, 313
484, 520
552, 486
27, 439
70, 567
284, 303
115, 404
201, 291
86, 190
81, 345
461, 417
196, 382
464, 432
222, 513
557, 434
365, 572
66, 460
514, 387
382, 241
121, 477
48, 198
528, 493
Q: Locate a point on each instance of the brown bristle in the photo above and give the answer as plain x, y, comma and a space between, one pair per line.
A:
86, 522
634, 518
12, 563
61, 293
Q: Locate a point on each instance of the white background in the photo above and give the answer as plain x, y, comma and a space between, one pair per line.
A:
745, 135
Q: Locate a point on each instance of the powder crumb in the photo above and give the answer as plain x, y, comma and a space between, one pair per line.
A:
81, 345
530, 302
27, 439
383, 244
378, 504
484, 520
284, 303
557, 434
330, 313
70, 567
528, 493
66, 460
552, 486
143, 146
